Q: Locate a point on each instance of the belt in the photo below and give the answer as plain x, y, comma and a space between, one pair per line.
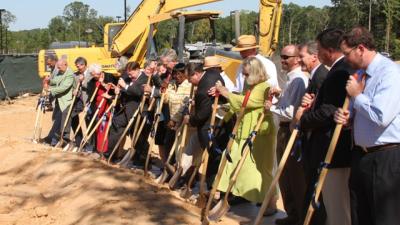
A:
379, 148
284, 124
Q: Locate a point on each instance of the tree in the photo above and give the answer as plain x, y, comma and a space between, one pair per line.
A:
392, 12
58, 28
77, 14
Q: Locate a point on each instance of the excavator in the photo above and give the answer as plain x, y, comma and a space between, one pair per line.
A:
134, 38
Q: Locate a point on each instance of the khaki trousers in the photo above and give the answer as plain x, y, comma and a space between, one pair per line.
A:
336, 195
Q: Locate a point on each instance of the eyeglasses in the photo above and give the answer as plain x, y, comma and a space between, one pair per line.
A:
286, 57
348, 53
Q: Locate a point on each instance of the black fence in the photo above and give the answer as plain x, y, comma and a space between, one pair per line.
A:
20, 75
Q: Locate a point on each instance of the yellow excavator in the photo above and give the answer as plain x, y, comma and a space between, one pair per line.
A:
134, 38
129, 39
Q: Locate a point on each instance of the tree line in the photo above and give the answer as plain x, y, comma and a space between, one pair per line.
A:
80, 22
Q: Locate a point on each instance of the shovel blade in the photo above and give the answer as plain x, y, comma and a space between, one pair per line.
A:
171, 169
219, 210
66, 147
163, 177
202, 201
174, 179
186, 193
59, 144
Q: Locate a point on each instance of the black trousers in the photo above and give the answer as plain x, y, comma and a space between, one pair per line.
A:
311, 177
74, 121
292, 181
375, 187
58, 118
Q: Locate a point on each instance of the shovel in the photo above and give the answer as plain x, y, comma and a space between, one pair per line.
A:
71, 144
87, 138
327, 161
153, 133
187, 192
123, 135
168, 168
39, 111
225, 158
178, 172
278, 174
61, 141
204, 163
139, 125
114, 103
136, 132
89, 128
222, 207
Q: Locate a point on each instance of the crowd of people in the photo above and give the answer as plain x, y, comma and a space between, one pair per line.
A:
94, 112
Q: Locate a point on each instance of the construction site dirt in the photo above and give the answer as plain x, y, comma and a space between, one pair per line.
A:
39, 185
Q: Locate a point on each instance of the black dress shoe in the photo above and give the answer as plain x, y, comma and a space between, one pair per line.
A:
236, 200
289, 220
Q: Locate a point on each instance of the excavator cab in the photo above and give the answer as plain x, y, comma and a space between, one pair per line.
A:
183, 18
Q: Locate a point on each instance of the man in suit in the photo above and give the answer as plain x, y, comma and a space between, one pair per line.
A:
131, 96
310, 63
319, 122
202, 100
60, 86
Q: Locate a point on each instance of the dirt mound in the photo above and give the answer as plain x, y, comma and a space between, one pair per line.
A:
42, 186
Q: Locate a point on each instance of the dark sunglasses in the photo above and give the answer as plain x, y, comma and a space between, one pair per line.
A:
285, 57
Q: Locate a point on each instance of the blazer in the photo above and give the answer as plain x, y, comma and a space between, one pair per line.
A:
203, 104
318, 78
130, 101
319, 120
60, 87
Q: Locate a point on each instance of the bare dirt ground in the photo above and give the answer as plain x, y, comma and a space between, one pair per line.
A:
43, 186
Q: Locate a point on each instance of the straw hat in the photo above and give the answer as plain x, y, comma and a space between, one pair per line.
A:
245, 42
211, 61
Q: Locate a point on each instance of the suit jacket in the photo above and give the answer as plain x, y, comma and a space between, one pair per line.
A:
318, 78
203, 105
319, 120
60, 87
130, 101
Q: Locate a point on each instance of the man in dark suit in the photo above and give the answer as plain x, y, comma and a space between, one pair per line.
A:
202, 100
310, 63
131, 95
318, 120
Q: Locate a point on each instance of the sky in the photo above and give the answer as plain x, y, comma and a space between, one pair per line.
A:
37, 13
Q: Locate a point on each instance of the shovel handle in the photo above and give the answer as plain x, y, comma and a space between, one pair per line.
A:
224, 159
328, 157
246, 98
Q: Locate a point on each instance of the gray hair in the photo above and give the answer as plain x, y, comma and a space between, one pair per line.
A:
95, 68
170, 54
312, 47
53, 57
120, 65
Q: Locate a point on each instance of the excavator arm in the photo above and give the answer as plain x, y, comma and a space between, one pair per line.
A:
131, 35
269, 23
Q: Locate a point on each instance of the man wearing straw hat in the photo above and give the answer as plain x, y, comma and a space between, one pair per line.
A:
247, 46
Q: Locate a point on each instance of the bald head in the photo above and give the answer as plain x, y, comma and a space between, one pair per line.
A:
62, 65
290, 57
291, 50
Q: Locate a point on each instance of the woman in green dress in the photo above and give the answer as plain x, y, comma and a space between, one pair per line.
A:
255, 176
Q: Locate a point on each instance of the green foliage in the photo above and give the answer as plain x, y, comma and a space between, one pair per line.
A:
299, 24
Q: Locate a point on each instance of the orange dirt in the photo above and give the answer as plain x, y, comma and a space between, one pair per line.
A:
43, 186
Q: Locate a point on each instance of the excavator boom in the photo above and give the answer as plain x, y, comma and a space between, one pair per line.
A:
137, 26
